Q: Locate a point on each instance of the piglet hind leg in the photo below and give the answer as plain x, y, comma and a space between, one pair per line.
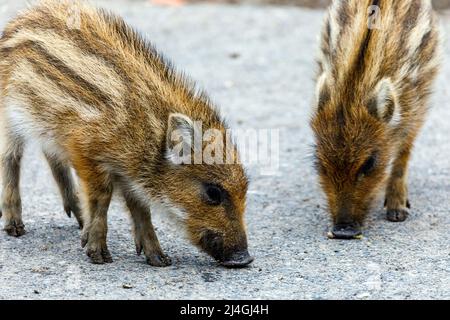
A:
144, 233
63, 177
98, 192
11, 201
397, 203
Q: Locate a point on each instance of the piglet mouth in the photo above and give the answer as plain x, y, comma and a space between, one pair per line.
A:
346, 231
212, 243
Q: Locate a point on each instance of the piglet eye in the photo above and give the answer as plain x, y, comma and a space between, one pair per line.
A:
369, 165
214, 194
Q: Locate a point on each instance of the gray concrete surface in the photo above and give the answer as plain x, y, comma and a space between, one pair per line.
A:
257, 64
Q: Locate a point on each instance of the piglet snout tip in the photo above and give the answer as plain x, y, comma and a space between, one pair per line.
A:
238, 260
346, 231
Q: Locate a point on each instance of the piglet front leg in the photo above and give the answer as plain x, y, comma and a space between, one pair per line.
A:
144, 233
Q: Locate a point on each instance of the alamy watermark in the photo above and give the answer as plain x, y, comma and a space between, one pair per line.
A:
374, 17
250, 147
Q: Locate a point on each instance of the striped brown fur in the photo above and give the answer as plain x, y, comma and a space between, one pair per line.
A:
372, 93
101, 99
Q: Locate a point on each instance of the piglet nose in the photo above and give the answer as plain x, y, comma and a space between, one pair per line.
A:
239, 259
346, 231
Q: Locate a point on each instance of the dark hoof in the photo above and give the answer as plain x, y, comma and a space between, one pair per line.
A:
15, 229
99, 256
397, 215
159, 260
138, 249
84, 238
97, 251
346, 232
69, 209
80, 223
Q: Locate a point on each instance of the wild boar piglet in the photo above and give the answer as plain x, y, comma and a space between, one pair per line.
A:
99, 98
378, 60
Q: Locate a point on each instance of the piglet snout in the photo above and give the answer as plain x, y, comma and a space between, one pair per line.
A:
239, 259
346, 231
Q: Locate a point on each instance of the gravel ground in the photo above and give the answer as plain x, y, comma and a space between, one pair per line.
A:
257, 64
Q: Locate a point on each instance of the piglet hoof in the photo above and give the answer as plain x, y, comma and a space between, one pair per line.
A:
84, 238
99, 255
73, 208
15, 228
97, 251
397, 215
158, 260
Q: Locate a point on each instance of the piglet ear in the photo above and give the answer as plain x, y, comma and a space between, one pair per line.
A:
179, 138
322, 91
383, 104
